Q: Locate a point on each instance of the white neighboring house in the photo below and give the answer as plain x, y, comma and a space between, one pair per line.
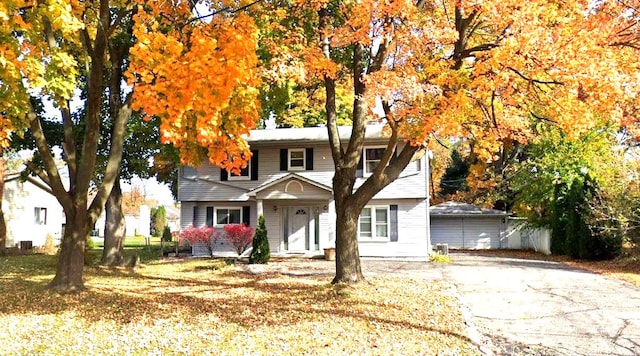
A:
30, 212
135, 224
289, 181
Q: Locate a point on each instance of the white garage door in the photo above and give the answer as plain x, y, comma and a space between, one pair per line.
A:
468, 232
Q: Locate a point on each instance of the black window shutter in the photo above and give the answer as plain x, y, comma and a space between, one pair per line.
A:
194, 222
254, 165
246, 215
284, 157
394, 222
309, 159
224, 175
359, 170
209, 216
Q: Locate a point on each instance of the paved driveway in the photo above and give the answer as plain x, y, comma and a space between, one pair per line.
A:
544, 308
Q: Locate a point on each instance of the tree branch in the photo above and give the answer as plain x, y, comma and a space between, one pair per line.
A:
53, 178
534, 81
112, 172
226, 9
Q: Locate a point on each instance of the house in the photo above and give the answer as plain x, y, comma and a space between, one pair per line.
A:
467, 226
289, 181
135, 224
30, 212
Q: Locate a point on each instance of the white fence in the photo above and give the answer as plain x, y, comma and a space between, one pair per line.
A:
520, 236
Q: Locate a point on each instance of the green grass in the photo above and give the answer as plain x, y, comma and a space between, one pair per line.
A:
137, 245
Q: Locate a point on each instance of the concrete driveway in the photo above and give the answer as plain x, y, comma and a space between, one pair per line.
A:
525, 307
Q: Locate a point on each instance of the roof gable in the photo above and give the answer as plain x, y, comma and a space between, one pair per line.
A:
288, 177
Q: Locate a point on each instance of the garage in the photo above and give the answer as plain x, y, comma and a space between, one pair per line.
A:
467, 226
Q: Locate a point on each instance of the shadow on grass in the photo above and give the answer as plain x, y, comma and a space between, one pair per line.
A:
192, 288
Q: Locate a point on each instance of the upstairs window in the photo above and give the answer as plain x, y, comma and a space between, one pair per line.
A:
40, 216
297, 159
372, 157
244, 173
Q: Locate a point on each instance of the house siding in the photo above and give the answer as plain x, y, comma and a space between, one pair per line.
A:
412, 232
19, 202
203, 183
202, 186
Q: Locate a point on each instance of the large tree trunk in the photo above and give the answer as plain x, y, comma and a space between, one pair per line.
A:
114, 229
3, 224
68, 278
347, 255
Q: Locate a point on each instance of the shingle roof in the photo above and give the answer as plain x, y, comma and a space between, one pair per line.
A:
454, 208
306, 134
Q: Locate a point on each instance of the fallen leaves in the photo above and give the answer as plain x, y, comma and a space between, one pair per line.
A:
188, 307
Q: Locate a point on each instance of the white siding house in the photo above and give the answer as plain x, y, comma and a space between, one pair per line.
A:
30, 212
289, 182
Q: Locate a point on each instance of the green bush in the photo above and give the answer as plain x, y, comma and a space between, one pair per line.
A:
260, 253
166, 234
89, 256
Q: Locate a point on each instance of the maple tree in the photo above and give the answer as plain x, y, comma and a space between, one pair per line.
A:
480, 70
51, 51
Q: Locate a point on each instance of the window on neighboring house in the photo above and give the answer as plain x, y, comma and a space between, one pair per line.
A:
372, 157
373, 223
297, 159
40, 215
244, 173
226, 216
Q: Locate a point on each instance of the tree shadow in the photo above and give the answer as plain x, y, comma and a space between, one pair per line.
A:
231, 295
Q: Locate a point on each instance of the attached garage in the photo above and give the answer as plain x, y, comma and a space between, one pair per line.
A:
467, 226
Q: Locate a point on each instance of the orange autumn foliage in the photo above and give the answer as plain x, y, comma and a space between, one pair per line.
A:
200, 77
481, 70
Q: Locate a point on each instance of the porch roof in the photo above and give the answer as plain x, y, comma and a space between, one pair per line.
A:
286, 177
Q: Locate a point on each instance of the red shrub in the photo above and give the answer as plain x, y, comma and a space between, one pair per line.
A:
205, 235
240, 236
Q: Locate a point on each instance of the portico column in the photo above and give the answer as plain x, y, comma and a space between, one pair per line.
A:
259, 208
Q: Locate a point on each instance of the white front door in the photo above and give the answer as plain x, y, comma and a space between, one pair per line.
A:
298, 229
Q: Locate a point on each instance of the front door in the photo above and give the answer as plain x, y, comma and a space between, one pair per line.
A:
298, 229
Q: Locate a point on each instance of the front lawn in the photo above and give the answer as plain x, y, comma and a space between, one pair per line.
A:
201, 306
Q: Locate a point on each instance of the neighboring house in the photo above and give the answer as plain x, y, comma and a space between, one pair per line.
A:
289, 181
467, 226
30, 212
139, 224
173, 217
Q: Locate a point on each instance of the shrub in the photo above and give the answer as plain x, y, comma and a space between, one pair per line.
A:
89, 258
438, 258
205, 235
260, 252
166, 234
49, 247
240, 236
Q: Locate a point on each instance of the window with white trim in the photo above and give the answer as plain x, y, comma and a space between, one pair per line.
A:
244, 173
40, 216
226, 216
373, 223
372, 157
297, 159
